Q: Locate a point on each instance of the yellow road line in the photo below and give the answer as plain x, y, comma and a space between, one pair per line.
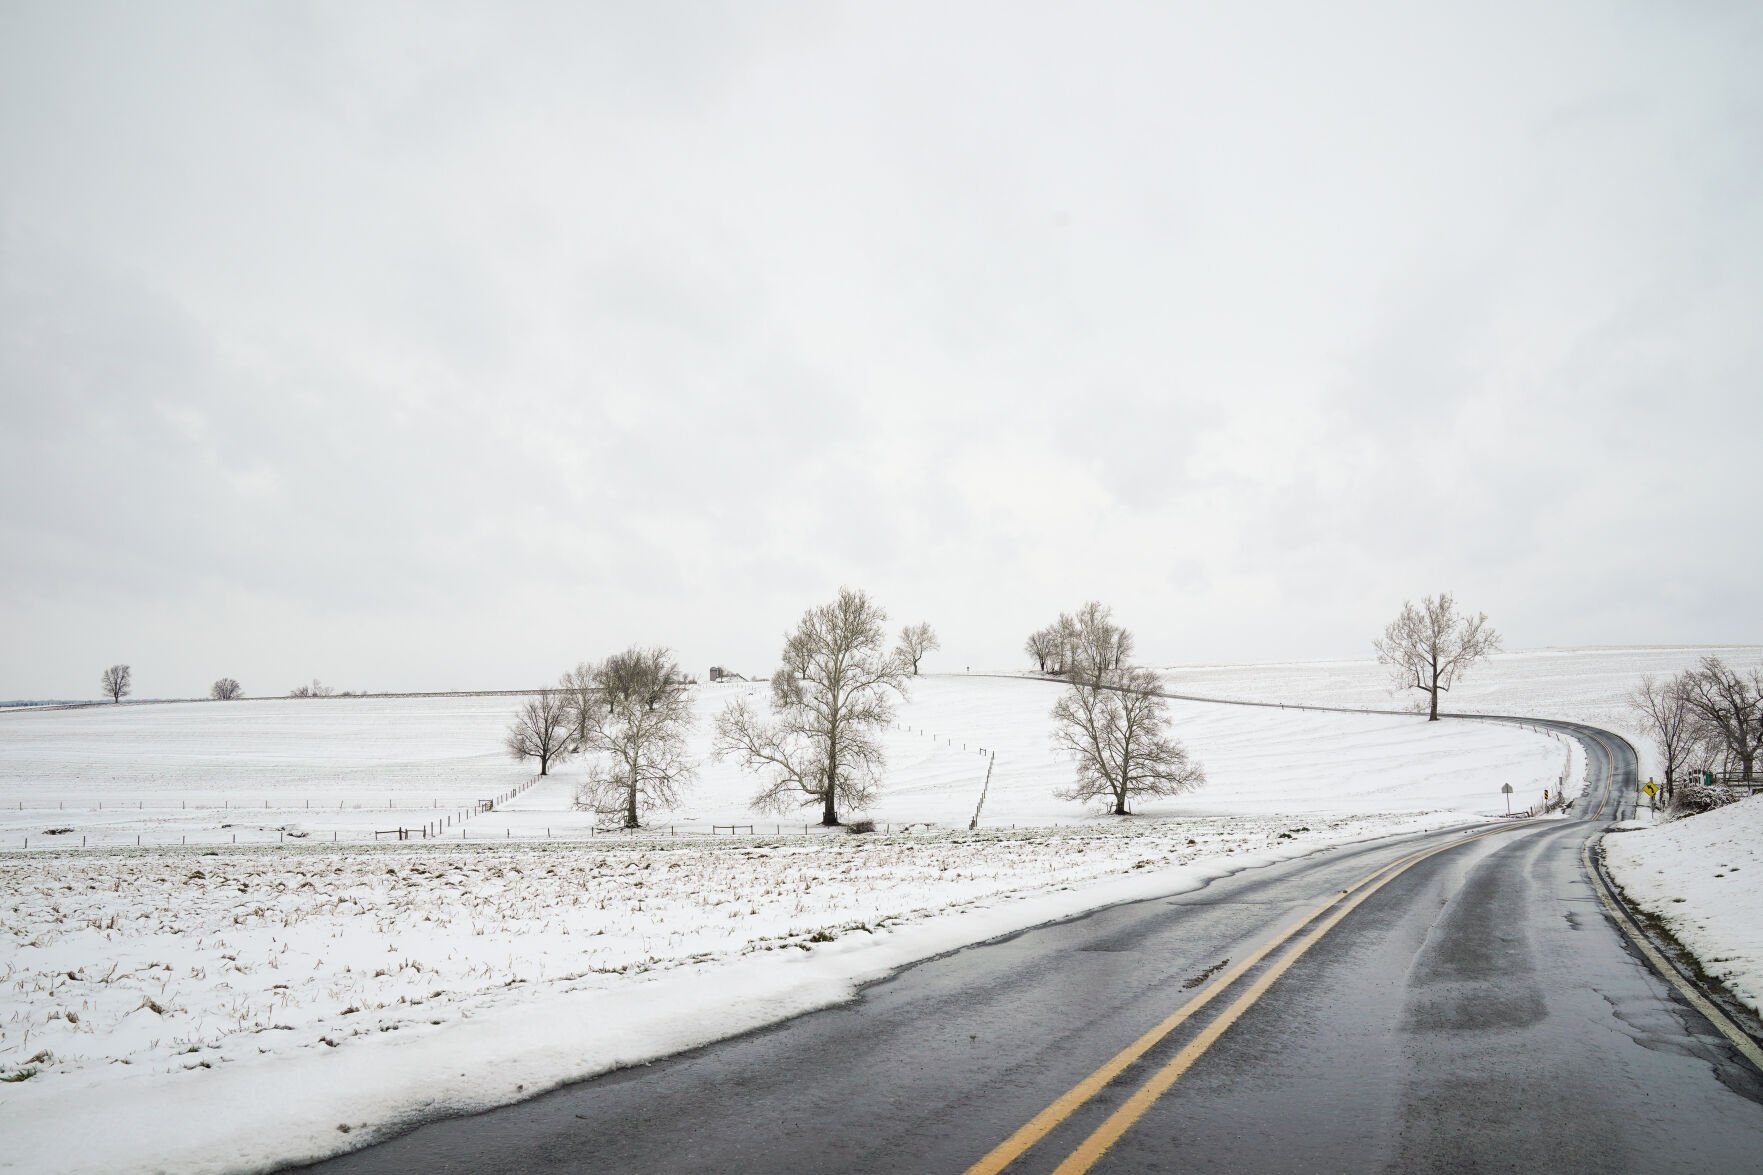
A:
1745, 1045
1122, 1120
1038, 1127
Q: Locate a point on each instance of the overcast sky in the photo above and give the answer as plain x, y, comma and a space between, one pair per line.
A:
444, 346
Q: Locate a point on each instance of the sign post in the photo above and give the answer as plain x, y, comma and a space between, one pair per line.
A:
1507, 788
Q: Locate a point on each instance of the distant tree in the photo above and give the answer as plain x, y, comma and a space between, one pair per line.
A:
916, 641
1043, 646
225, 690
633, 710
830, 699
1730, 705
1095, 644
1668, 719
1428, 648
541, 729
1064, 631
317, 689
1113, 723
115, 681
1707, 749
581, 694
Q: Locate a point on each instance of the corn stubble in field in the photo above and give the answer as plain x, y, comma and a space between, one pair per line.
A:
162, 960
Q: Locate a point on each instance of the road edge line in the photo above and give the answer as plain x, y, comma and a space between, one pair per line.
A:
1617, 909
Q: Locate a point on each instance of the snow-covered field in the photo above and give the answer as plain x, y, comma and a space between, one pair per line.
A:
1702, 877
345, 768
242, 1005
224, 1006
1580, 685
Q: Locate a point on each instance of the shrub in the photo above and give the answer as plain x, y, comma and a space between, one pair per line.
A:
1694, 798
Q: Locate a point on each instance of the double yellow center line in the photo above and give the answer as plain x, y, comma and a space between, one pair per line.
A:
1154, 1087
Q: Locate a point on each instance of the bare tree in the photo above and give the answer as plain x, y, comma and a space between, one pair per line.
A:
829, 700
1088, 642
541, 729
1730, 705
317, 689
115, 681
1064, 632
1096, 645
1428, 648
1115, 726
1669, 720
916, 641
225, 690
1707, 749
581, 694
634, 711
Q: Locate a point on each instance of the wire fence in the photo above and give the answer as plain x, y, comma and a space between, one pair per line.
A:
445, 831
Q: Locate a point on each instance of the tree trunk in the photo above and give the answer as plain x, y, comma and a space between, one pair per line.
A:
1433, 713
630, 806
829, 813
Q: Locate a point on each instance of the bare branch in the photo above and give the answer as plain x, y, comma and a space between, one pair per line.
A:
1730, 708
540, 730
633, 711
829, 701
916, 640
1428, 648
1115, 726
115, 682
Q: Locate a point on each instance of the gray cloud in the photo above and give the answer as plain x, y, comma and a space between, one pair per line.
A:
443, 347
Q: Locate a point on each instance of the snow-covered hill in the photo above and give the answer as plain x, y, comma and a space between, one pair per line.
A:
210, 772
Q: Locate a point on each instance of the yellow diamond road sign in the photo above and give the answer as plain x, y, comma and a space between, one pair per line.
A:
1650, 788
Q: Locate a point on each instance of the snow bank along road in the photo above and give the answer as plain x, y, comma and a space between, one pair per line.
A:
1448, 1001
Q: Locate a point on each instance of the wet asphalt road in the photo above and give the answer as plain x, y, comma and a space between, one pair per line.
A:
1477, 1013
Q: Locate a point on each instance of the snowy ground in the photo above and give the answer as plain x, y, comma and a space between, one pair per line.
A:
1581, 685
1702, 877
225, 1009
345, 768
223, 1006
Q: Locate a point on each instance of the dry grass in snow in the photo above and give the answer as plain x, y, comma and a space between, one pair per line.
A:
153, 962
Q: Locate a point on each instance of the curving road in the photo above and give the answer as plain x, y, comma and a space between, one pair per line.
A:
1612, 786
1454, 1002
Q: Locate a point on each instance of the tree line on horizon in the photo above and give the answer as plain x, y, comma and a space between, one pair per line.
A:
117, 682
